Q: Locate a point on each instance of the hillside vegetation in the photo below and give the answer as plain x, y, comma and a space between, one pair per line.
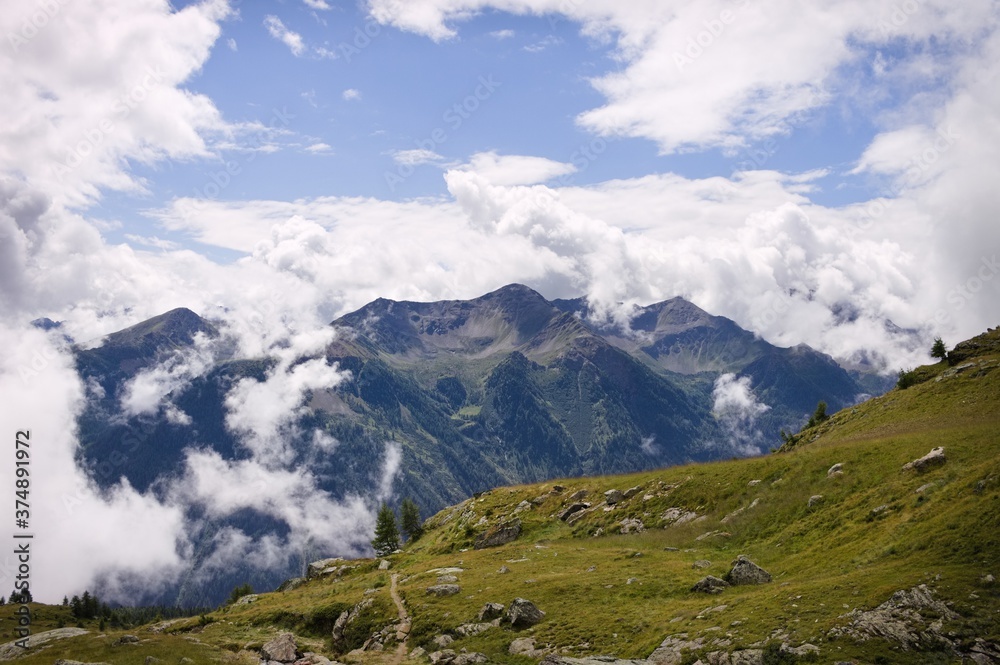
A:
870, 562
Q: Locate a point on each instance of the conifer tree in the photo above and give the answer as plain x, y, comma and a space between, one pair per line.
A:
386, 539
410, 519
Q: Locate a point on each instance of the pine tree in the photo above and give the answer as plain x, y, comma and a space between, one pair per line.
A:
76, 606
410, 520
939, 350
386, 539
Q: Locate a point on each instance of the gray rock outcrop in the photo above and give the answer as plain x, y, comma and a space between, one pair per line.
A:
523, 613
632, 525
346, 618
500, 534
443, 589
11, 650
572, 509
934, 458
745, 571
611, 497
281, 649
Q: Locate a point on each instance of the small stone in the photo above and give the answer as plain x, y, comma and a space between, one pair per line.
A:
923, 488
632, 525
383, 564
815, 499
753, 483
572, 509
701, 563
987, 580
576, 496
710, 584
281, 649
631, 492
631, 580
835, 470
443, 640
446, 579
503, 570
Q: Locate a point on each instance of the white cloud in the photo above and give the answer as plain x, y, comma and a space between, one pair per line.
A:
289, 38
415, 156
317, 4
351, 95
516, 169
737, 409
684, 79
149, 390
502, 34
320, 149
231, 43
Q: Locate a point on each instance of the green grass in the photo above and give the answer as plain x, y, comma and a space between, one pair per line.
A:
826, 560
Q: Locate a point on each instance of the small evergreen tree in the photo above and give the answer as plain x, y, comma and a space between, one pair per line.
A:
386, 539
239, 592
819, 415
410, 519
939, 350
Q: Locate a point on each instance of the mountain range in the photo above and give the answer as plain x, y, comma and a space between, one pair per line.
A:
503, 389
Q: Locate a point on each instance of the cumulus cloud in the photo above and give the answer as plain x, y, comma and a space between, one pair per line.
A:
351, 95
736, 409
149, 390
516, 169
415, 156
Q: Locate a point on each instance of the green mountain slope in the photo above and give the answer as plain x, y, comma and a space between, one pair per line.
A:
871, 561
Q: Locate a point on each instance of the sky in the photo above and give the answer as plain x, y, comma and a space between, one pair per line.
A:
822, 173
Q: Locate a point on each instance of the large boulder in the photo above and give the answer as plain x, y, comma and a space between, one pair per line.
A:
324, 567
710, 584
292, 583
745, 571
523, 613
500, 534
443, 589
281, 649
931, 459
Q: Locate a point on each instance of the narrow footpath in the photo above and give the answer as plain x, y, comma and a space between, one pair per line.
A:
403, 627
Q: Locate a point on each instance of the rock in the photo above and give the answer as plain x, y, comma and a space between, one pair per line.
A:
63, 661
503, 570
247, 599
293, 583
490, 611
576, 496
528, 505
501, 534
347, 617
323, 567
815, 499
710, 584
987, 580
701, 563
443, 640
12, 650
281, 649
522, 646
673, 649
417, 653
469, 658
632, 525
523, 613
152, 660
900, 619
446, 579
443, 589
923, 488
632, 580
572, 509
753, 483
383, 564
745, 571
677, 516
800, 651
443, 657
470, 629
835, 470
933, 458
611, 497
125, 639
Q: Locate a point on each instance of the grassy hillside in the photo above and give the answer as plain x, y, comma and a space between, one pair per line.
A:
877, 529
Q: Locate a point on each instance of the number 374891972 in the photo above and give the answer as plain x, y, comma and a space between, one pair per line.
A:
22, 457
